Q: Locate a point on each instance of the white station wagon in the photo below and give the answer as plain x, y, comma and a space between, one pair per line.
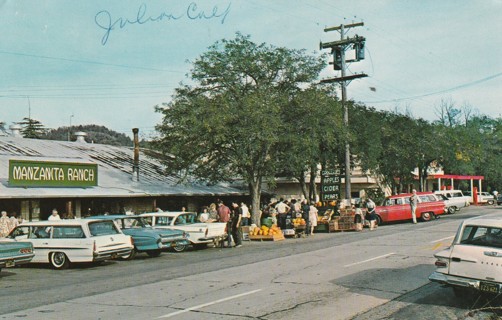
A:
474, 260
61, 242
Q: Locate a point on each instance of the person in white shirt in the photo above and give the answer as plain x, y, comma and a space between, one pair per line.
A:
54, 215
246, 215
282, 210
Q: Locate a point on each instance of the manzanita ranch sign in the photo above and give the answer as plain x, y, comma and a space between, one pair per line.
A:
27, 173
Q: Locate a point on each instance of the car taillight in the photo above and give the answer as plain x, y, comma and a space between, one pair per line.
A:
207, 231
441, 264
26, 250
94, 246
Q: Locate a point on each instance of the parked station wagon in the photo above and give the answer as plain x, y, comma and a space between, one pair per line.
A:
61, 242
397, 207
454, 200
473, 262
14, 253
147, 239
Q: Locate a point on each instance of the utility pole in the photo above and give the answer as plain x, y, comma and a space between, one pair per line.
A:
338, 49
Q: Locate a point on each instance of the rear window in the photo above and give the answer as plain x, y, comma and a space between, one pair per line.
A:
70, 232
101, 228
482, 236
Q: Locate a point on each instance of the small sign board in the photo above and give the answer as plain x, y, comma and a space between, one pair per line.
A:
29, 173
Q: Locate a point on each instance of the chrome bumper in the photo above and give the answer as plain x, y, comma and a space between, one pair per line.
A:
455, 281
112, 254
172, 243
17, 260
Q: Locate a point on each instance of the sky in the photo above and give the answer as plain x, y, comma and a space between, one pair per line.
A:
110, 62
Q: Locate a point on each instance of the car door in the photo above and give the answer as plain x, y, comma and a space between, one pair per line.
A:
478, 254
40, 236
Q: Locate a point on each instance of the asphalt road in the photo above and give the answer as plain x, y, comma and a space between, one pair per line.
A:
379, 274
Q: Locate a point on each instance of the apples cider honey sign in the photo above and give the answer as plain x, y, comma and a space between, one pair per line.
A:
28, 173
330, 184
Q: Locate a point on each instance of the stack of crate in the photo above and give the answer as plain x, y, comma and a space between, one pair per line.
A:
343, 222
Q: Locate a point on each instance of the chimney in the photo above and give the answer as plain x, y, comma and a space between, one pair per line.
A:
16, 130
80, 137
135, 165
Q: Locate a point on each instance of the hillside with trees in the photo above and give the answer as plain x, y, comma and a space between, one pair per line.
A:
95, 134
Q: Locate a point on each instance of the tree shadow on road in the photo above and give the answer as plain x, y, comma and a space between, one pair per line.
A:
410, 288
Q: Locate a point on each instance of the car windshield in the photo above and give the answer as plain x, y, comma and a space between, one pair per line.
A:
482, 236
101, 228
133, 223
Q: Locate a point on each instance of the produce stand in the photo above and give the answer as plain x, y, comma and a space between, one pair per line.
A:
266, 234
323, 224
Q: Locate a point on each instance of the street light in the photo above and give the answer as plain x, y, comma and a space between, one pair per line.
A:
69, 128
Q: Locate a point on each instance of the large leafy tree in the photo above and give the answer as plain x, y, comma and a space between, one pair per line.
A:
32, 128
230, 122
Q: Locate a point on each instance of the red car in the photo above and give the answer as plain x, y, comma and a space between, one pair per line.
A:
397, 207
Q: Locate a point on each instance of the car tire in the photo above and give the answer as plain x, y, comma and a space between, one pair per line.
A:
490, 202
59, 260
427, 216
452, 209
130, 256
153, 253
180, 247
378, 221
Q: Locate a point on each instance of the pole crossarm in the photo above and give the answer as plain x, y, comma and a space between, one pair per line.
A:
340, 43
352, 25
345, 78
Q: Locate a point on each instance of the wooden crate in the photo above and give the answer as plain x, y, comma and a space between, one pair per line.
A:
341, 225
275, 237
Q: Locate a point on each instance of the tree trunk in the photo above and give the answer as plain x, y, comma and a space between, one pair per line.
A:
313, 189
303, 185
255, 192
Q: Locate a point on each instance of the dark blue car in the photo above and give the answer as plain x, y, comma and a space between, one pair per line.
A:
146, 239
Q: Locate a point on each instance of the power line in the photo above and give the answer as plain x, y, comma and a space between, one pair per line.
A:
465, 85
87, 62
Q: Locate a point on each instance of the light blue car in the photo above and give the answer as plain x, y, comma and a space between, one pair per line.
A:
147, 239
13, 253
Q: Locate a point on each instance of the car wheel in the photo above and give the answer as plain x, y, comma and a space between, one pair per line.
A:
180, 247
426, 216
59, 260
130, 256
153, 253
378, 221
490, 202
452, 209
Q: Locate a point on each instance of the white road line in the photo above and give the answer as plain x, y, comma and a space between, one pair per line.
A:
375, 258
208, 304
439, 240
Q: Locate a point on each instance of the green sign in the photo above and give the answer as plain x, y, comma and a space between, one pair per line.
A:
26, 173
